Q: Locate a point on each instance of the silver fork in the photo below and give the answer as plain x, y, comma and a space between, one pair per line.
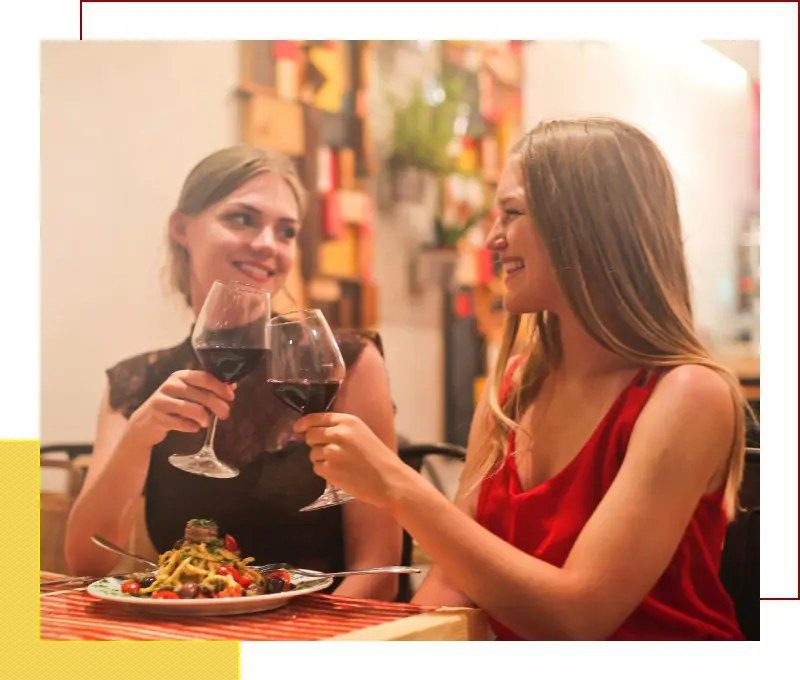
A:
321, 574
113, 547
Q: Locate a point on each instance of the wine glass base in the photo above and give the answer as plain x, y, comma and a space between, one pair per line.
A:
329, 498
201, 463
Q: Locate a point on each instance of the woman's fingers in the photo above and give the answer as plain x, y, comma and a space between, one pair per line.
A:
177, 423
323, 453
210, 400
185, 409
316, 436
206, 381
319, 420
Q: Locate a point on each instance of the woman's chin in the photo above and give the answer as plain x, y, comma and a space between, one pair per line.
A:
515, 304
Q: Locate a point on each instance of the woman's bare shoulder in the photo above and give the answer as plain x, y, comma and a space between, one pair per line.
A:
694, 386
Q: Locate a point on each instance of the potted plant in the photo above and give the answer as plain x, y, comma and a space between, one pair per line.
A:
422, 142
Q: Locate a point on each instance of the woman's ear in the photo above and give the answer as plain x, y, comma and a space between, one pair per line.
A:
177, 228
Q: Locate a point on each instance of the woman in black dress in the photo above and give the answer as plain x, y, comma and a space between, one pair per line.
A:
237, 218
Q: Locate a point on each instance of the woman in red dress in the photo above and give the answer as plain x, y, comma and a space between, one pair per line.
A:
605, 456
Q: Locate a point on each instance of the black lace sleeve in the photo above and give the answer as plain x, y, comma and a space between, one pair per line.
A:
132, 381
352, 343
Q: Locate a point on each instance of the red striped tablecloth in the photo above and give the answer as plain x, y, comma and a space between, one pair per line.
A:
78, 616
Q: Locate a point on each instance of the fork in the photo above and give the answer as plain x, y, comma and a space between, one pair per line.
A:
320, 574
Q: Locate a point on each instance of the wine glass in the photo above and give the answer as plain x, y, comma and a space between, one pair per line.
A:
305, 371
229, 339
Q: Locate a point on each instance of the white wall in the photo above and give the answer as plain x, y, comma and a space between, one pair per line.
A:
121, 125
410, 319
696, 105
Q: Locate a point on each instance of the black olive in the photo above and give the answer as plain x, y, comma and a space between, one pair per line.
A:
274, 585
188, 591
147, 581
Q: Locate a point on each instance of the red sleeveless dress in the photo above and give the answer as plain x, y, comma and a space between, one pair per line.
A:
688, 602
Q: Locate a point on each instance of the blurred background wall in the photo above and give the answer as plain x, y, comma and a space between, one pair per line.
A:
121, 125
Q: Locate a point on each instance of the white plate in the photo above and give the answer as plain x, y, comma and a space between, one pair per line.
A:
110, 589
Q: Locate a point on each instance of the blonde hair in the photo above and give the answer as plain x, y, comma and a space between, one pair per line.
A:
602, 199
213, 178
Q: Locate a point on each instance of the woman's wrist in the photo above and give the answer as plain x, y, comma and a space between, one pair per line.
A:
408, 488
134, 442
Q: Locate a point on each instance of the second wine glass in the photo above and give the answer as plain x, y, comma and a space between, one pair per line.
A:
305, 371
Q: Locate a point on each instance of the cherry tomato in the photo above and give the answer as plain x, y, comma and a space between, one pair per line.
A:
230, 591
231, 544
131, 587
227, 569
245, 580
165, 595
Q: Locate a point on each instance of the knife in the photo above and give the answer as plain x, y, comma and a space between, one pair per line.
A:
79, 581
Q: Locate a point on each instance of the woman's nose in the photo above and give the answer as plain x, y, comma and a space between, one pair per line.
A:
496, 238
264, 238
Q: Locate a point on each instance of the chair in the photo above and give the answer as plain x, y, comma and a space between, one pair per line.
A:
740, 563
414, 455
55, 505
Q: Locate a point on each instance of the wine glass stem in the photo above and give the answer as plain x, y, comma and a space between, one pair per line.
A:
208, 445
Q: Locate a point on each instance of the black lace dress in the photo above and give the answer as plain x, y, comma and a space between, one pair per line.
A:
260, 506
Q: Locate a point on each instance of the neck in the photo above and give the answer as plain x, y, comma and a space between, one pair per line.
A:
582, 356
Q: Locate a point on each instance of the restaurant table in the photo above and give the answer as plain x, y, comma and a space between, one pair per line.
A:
76, 615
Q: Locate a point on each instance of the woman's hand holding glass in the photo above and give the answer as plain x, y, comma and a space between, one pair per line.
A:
184, 402
346, 453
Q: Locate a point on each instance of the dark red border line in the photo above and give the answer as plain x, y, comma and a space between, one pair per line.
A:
763, 599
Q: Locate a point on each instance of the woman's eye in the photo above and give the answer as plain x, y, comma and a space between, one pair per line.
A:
241, 219
287, 231
510, 214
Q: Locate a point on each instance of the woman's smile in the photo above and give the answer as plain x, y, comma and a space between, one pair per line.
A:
255, 271
512, 265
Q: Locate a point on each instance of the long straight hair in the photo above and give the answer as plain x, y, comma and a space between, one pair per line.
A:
602, 199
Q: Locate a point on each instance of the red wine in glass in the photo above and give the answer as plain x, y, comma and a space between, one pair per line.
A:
305, 396
230, 364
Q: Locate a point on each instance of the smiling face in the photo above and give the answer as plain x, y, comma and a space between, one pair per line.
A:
531, 284
250, 235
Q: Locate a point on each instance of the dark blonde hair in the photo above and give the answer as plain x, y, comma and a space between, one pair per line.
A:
215, 177
602, 199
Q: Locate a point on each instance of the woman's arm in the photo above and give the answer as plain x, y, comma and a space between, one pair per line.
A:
371, 536
121, 458
680, 442
106, 504
436, 589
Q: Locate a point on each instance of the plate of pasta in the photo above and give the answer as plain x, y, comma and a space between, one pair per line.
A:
204, 574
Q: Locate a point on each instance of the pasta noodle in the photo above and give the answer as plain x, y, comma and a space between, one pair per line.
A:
203, 565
